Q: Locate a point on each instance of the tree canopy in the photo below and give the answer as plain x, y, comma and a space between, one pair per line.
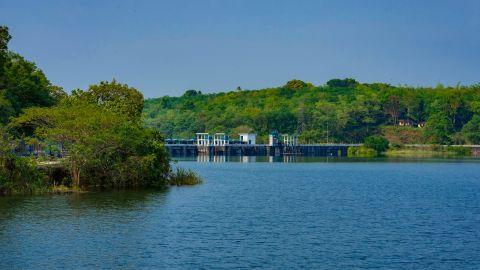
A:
22, 83
114, 96
296, 84
377, 143
94, 137
348, 82
343, 110
105, 145
4, 39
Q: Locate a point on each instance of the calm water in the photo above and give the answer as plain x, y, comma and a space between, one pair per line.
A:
324, 215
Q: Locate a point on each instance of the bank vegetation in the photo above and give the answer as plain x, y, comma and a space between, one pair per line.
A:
93, 138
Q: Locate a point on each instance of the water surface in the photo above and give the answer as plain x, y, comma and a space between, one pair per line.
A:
321, 215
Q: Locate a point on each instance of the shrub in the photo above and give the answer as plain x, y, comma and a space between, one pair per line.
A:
184, 177
471, 130
348, 82
459, 150
377, 143
296, 84
19, 175
361, 151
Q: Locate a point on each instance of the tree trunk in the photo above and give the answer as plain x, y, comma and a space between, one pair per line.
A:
75, 175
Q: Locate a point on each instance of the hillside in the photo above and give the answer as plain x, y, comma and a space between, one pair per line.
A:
339, 111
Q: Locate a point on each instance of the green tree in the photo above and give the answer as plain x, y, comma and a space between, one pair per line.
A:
296, 84
22, 84
25, 85
4, 39
6, 109
325, 121
105, 148
192, 93
17, 174
377, 143
393, 107
471, 130
348, 82
439, 128
241, 129
354, 111
114, 96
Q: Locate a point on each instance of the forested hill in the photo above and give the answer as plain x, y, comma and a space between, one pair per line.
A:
340, 111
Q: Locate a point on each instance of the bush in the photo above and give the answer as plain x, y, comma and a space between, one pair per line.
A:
296, 84
471, 130
19, 175
377, 143
184, 177
348, 82
361, 151
459, 150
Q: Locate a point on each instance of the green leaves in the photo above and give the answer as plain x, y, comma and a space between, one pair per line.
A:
25, 85
4, 38
105, 145
377, 143
471, 130
347, 83
114, 96
438, 128
297, 84
342, 111
100, 129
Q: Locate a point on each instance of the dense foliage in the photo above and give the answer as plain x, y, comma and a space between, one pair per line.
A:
377, 143
94, 137
114, 96
184, 177
16, 174
105, 145
22, 84
343, 110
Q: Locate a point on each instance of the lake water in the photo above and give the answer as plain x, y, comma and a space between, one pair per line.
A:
320, 215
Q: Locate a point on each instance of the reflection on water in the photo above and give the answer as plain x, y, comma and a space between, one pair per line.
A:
311, 159
121, 200
74, 231
249, 159
251, 213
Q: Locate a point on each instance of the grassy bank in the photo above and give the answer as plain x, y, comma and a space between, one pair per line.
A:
412, 151
184, 177
429, 151
25, 175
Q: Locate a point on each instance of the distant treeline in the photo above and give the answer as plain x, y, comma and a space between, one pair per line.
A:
342, 110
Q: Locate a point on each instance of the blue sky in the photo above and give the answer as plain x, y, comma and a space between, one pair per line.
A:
166, 47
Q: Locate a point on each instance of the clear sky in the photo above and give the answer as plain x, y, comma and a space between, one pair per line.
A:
166, 47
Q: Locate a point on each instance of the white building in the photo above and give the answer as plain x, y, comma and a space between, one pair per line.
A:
204, 139
220, 139
273, 139
289, 140
248, 138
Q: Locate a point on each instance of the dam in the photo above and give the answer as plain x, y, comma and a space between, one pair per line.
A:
221, 144
318, 150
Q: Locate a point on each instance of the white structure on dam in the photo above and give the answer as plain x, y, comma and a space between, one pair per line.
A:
248, 138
